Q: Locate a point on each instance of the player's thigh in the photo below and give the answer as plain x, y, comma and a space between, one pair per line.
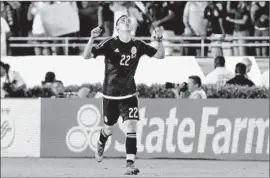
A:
110, 111
129, 109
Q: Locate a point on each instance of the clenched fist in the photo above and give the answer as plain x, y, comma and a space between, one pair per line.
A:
96, 32
158, 33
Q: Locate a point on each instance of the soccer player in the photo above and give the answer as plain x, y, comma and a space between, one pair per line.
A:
122, 54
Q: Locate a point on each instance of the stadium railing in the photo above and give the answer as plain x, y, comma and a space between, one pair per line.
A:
175, 42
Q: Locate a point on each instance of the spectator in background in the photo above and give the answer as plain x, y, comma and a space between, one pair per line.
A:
163, 14
220, 75
15, 13
126, 8
228, 27
118, 9
240, 78
105, 18
265, 79
192, 90
5, 34
144, 26
56, 86
195, 24
83, 92
259, 14
88, 14
38, 28
12, 84
214, 17
195, 88
248, 64
241, 25
179, 27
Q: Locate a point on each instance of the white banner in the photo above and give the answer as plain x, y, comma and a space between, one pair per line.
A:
74, 70
20, 127
60, 19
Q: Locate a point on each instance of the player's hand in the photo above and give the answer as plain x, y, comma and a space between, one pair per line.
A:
158, 33
96, 32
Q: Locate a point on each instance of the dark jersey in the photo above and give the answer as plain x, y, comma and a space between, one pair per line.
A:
240, 80
121, 61
261, 15
212, 13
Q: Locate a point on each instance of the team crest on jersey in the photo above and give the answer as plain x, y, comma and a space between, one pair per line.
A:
133, 52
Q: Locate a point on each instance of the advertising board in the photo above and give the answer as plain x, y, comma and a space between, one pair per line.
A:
168, 128
20, 127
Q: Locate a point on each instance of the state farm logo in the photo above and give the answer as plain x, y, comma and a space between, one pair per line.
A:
87, 132
7, 133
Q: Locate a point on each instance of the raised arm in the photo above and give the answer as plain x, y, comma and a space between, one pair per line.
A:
229, 9
160, 54
100, 15
253, 11
186, 16
242, 21
88, 49
158, 35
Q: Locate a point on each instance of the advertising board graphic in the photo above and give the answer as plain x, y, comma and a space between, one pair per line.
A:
168, 128
20, 128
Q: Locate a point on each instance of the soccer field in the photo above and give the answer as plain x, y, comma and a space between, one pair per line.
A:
51, 167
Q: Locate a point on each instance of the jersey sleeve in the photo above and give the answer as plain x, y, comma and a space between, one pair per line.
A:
101, 49
146, 49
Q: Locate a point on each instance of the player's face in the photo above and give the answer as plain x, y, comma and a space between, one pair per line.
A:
124, 27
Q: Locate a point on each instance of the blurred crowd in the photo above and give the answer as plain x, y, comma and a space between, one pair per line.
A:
217, 19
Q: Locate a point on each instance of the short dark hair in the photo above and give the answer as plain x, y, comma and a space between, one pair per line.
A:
49, 77
196, 79
122, 16
220, 61
4, 65
240, 68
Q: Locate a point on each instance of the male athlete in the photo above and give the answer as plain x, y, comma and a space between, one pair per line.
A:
122, 54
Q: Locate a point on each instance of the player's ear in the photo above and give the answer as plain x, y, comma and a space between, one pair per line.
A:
116, 28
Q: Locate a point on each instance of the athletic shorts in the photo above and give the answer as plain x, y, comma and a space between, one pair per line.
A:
126, 108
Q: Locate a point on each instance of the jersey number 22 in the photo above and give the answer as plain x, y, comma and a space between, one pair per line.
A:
124, 60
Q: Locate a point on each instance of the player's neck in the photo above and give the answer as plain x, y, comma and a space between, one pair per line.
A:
123, 39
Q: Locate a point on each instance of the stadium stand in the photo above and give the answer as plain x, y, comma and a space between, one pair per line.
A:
64, 28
